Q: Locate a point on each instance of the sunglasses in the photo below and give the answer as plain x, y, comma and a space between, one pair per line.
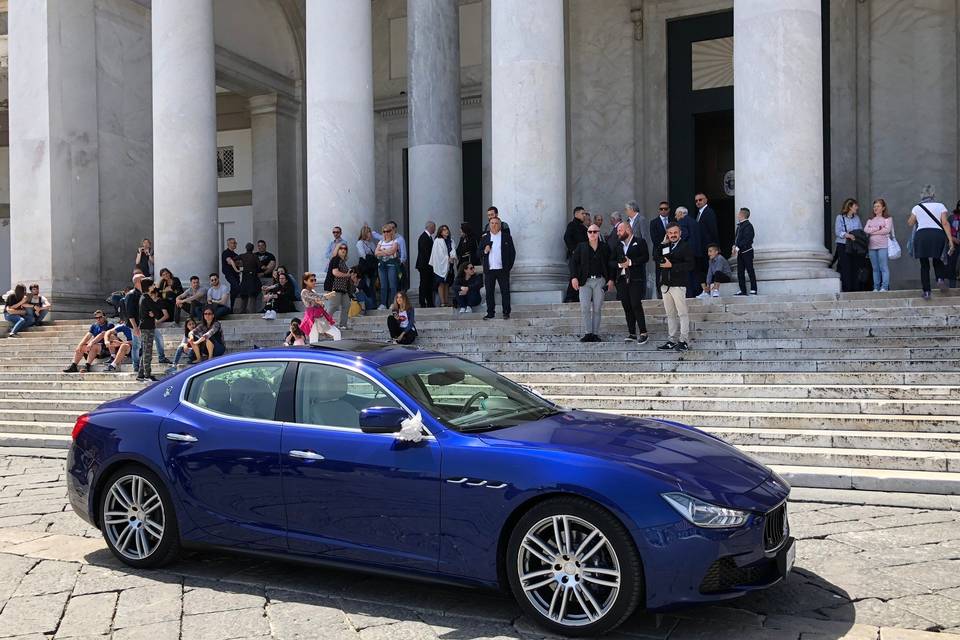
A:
207, 313
593, 232
311, 279
664, 209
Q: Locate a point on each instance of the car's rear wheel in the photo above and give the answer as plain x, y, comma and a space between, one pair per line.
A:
573, 567
137, 518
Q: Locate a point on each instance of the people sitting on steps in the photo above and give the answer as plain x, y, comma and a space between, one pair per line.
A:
91, 345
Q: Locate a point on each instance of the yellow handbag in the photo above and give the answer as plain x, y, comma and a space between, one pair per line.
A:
355, 309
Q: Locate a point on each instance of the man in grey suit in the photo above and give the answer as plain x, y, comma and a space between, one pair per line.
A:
638, 225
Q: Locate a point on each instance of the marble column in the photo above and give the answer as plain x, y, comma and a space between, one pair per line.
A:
54, 150
778, 145
340, 142
529, 144
273, 124
433, 92
184, 138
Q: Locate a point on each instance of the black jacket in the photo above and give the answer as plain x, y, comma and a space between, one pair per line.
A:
466, 251
658, 231
638, 252
424, 249
744, 238
708, 228
507, 250
575, 234
681, 261
474, 283
580, 262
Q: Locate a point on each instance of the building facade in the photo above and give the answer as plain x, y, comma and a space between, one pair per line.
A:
324, 112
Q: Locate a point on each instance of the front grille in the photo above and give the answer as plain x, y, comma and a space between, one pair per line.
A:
775, 528
725, 575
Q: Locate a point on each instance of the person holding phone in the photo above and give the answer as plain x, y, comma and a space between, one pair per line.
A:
400, 321
144, 259
676, 261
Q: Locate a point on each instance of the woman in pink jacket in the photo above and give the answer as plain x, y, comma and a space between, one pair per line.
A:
879, 228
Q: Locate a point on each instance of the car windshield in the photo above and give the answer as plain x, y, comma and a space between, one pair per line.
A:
467, 397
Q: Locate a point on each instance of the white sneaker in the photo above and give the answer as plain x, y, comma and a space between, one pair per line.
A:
461, 310
703, 296
715, 294
468, 309
381, 308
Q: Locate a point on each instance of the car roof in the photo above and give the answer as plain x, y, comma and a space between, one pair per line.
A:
379, 354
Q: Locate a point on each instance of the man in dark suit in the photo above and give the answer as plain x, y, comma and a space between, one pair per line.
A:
575, 234
709, 234
690, 233
743, 251
499, 254
630, 259
638, 227
658, 229
424, 249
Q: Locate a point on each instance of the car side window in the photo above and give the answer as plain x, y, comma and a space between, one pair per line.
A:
244, 390
331, 396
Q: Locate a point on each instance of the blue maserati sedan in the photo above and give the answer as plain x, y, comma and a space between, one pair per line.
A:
397, 460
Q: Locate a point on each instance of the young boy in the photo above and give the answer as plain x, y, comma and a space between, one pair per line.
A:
718, 271
119, 340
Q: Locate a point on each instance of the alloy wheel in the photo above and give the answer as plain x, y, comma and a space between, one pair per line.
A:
568, 570
133, 517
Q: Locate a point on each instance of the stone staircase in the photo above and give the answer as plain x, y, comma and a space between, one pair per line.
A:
851, 391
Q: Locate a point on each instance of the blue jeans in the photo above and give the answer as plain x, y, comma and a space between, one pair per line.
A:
881, 269
181, 352
389, 282
135, 348
34, 318
221, 311
17, 322
472, 299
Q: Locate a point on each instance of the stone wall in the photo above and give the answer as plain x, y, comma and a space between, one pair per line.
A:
895, 107
125, 135
600, 105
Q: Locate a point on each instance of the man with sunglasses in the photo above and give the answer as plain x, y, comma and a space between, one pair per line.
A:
658, 229
91, 345
219, 296
590, 276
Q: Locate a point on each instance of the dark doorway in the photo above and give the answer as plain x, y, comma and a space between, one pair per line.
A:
700, 124
472, 186
713, 161
473, 211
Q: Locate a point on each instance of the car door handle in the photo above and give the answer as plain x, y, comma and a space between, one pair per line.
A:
181, 437
305, 455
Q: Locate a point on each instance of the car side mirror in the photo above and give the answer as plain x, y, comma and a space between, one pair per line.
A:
382, 419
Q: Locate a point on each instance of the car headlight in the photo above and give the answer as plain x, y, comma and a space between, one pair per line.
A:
704, 514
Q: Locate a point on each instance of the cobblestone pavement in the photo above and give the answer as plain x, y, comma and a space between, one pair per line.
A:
863, 572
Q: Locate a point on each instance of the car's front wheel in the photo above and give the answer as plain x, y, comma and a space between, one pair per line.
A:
573, 567
137, 518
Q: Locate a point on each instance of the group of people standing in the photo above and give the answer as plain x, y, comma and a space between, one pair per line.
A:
934, 241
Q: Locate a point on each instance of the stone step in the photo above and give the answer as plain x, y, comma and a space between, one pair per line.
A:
880, 440
741, 404
76, 406
856, 458
34, 440
734, 378
37, 428
99, 392
785, 367
754, 391
826, 477
798, 420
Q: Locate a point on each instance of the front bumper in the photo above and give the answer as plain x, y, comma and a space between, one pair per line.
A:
685, 564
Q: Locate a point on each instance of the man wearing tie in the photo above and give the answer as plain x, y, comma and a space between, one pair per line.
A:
658, 229
630, 259
424, 249
707, 221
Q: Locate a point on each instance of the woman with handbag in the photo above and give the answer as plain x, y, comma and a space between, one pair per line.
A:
847, 263
879, 228
932, 238
339, 296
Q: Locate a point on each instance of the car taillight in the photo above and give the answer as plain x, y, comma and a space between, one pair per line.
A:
80, 424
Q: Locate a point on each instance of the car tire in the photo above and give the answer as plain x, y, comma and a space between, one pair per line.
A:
564, 595
137, 519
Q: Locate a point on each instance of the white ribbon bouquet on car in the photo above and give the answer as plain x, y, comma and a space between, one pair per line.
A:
411, 429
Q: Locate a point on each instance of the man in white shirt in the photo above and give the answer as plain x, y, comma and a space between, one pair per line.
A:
499, 255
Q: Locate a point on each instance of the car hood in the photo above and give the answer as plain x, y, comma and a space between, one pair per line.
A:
701, 465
